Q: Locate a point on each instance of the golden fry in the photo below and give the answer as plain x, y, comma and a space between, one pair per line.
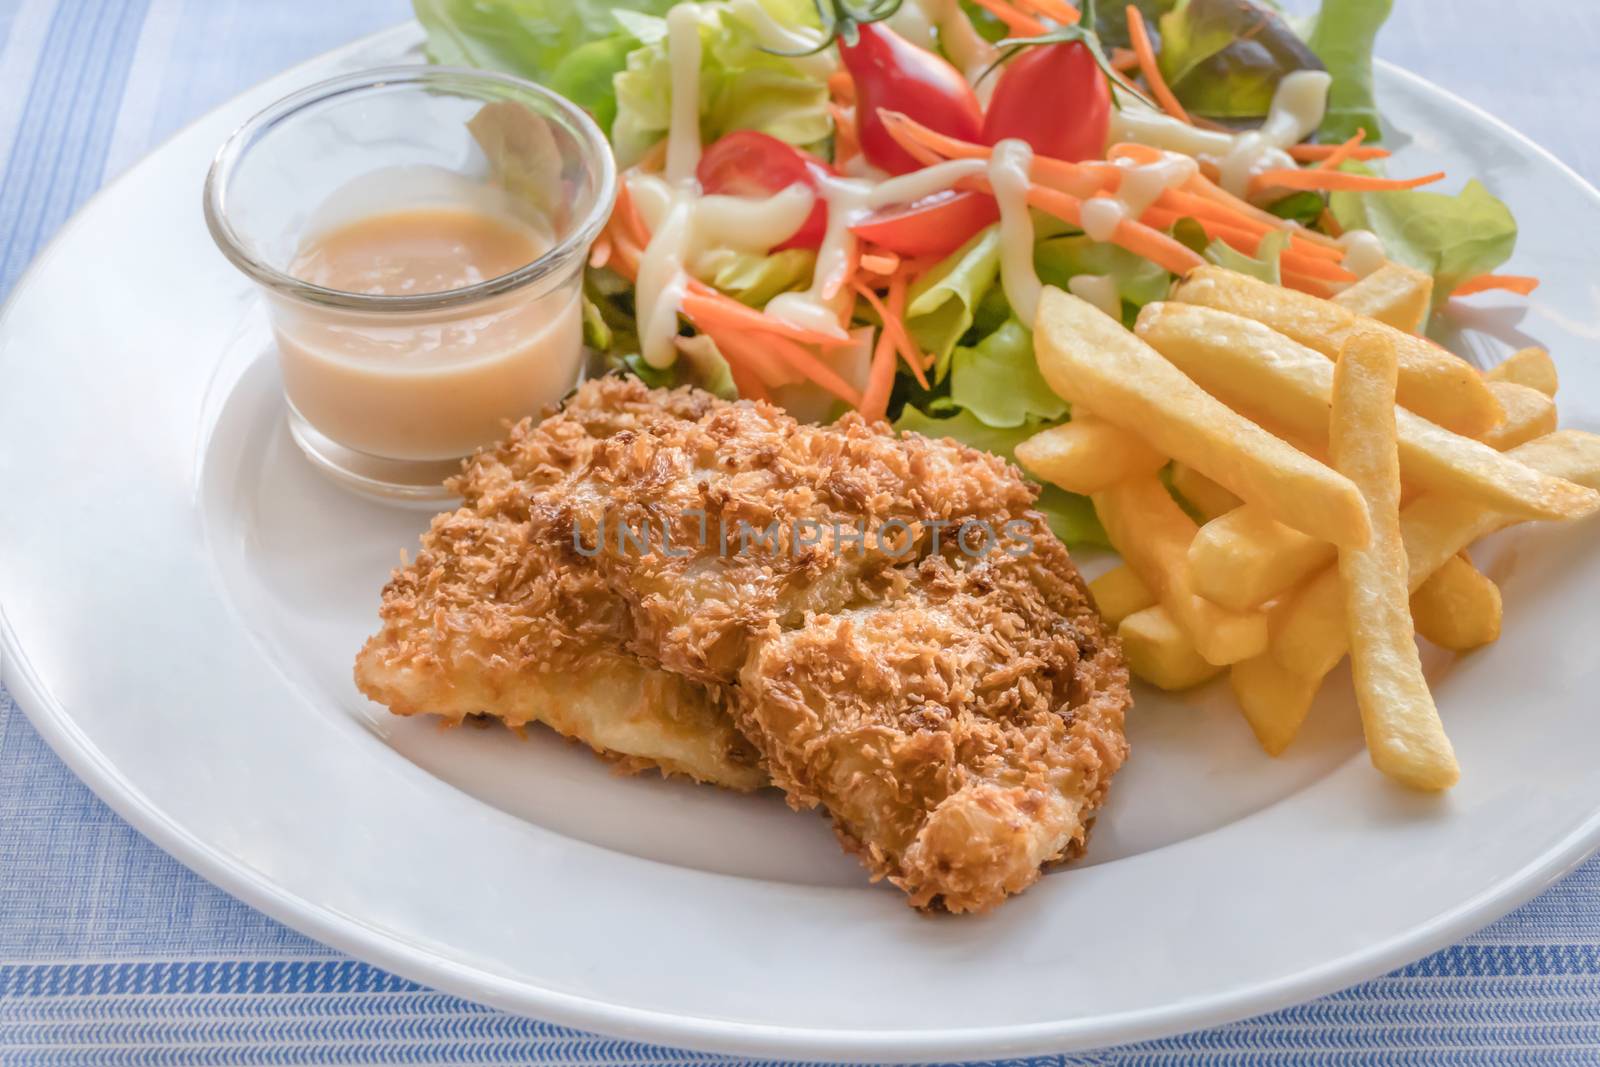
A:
1087, 455
1243, 559
1532, 367
1395, 295
1458, 607
1254, 368
1159, 652
1088, 358
1274, 700
1119, 592
1404, 735
1529, 414
1203, 495
1153, 534
1434, 383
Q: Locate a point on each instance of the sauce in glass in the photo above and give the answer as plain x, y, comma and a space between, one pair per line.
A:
418, 385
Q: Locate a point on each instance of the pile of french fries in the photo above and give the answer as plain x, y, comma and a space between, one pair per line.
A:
1289, 479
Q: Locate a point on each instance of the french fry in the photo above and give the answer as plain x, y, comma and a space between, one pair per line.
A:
1274, 700
1251, 366
1529, 414
1087, 455
1405, 738
1245, 558
1119, 592
1394, 294
1090, 359
1159, 652
1152, 533
1458, 608
1308, 629
1532, 367
1203, 495
1434, 383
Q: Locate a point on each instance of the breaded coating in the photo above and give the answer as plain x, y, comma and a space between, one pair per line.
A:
952, 701
488, 619
961, 735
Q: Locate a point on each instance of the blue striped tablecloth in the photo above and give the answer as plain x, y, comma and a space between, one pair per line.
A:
112, 953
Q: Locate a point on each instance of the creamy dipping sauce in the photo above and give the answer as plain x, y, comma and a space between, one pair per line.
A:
425, 385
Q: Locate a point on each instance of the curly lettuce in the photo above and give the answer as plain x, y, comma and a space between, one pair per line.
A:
742, 86
1451, 237
1342, 37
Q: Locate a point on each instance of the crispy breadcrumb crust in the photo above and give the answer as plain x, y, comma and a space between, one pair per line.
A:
959, 718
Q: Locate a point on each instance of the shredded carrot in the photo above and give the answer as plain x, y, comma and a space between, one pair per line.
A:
880, 380
899, 288
745, 379
1136, 237
895, 327
1139, 37
1343, 152
1123, 60
600, 254
1330, 224
1314, 286
1209, 189
655, 157
1016, 21
1512, 283
1200, 208
880, 263
842, 87
1058, 10
929, 147
846, 145
806, 362
705, 306
1314, 153
626, 212
1336, 180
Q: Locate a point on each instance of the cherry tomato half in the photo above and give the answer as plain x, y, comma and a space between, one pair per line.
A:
931, 226
751, 163
1055, 97
892, 73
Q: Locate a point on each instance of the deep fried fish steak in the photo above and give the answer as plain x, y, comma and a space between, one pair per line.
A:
961, 735
958, 713
490, 619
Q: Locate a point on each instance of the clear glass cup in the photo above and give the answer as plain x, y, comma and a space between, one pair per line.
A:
387, 393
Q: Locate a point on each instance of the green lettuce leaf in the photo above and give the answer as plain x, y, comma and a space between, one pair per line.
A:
942, 305
753, 278
574, 46
1264, 264
1223, 59
1451, 237
741, 85
998, 380
1139, 281
1342, 37
1071, 517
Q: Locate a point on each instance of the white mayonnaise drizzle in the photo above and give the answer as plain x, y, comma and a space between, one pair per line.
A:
1297, 110
1008, 167
821, 306
1101, 216
1363, 252
663, 276
1099, 290
925, 182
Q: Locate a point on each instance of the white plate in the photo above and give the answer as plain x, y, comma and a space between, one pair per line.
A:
183, 597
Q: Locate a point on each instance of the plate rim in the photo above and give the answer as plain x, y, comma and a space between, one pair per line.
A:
435, 970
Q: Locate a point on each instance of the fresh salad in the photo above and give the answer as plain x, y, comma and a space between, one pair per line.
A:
855, 205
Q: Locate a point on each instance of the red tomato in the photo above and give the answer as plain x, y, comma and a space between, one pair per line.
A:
892, 73
750, 163
1055, 97
931, 226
